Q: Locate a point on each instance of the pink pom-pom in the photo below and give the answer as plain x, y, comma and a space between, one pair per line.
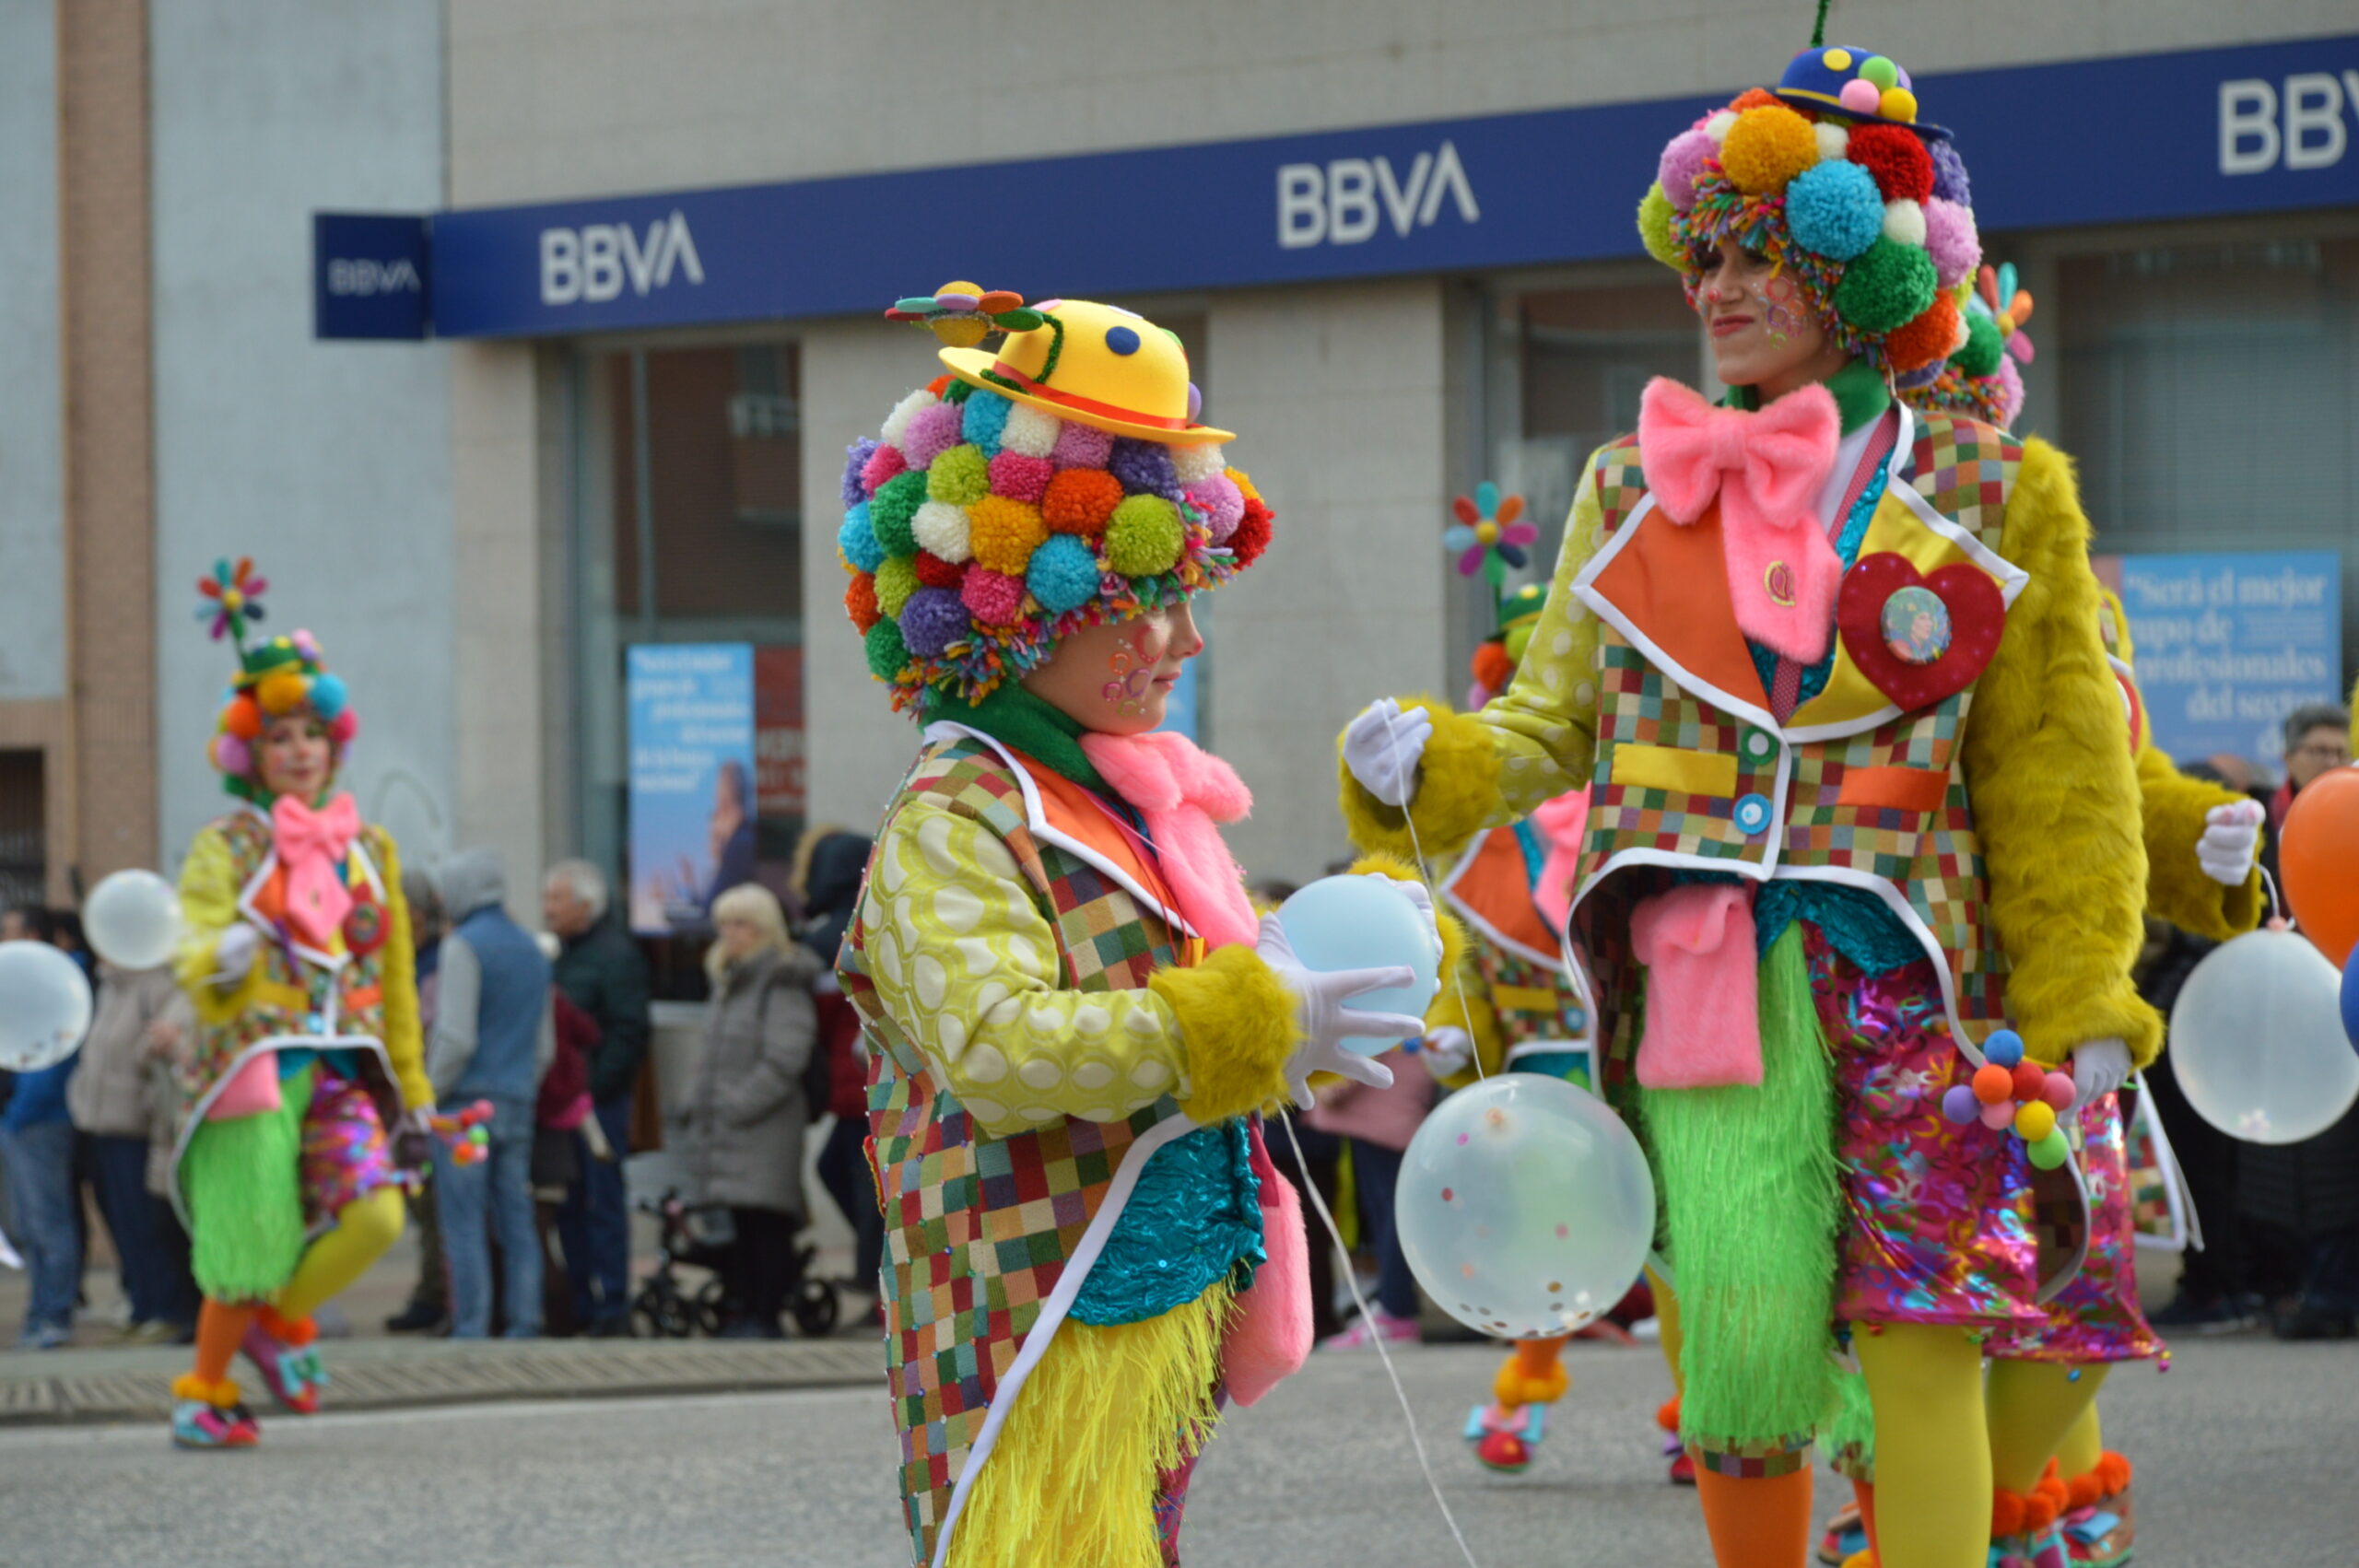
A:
1951, 241
882, 464
230, 755
1222, 504
2011, 390
2057, 1091
344, 726
1021, 478
993, 598
1079, 446
930, 433
1860, 97
1998, 1117
1681, 162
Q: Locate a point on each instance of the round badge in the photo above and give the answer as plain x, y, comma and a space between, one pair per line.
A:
1916, 625
365, 927
1779, 583
1753, 815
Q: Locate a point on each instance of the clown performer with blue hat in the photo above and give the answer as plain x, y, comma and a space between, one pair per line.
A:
1075, 1015
1824, 880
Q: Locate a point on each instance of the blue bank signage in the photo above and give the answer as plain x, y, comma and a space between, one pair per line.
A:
370, 276
2264, 128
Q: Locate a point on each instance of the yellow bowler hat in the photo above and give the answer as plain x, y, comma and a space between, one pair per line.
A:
1096, 365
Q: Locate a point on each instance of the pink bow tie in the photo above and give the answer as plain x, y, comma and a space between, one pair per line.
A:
1765, 470
312, 844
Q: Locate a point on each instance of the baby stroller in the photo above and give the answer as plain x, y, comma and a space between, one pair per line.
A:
700, 1237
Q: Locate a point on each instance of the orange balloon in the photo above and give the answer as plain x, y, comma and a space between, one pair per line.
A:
2317, 856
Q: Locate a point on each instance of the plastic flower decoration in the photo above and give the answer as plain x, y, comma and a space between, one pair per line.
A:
2010, 307
1487, 537
233, 597
963, 314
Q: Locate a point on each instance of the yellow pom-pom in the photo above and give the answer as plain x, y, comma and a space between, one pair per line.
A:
961, 331
1899, 103
1767, 147
1002, 532
282, 692
896, 580
1244, 483
1655, 214
2034, 1121
1837, 59
953, 286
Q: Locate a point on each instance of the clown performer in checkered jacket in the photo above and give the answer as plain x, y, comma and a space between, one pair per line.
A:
2061, 1497
1071, 1009
1860, 807
307, 1065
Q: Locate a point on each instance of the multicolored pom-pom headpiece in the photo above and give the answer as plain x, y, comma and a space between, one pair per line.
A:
1056, 481
1833, 176
1980, 380
277, 676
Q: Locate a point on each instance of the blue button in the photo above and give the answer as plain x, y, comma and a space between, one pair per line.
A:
1753, 816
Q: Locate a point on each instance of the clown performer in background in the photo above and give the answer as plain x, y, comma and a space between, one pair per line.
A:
2060, 1497
1817, 875
1073, 1008
1529, 1012
296, 951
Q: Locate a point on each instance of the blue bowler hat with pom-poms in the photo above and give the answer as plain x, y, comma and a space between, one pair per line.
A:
1857, 85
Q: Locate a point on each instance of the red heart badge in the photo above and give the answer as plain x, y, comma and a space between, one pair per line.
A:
1919, 639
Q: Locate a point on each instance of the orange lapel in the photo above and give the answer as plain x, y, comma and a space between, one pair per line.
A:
1672, 585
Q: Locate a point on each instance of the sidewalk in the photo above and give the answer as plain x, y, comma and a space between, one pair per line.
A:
132, 1384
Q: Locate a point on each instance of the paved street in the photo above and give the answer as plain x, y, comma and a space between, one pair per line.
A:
2243, 1451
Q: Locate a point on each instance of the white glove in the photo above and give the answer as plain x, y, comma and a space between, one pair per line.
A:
234, 955
2230, 841
1319, 996
2099, 1067
1383, 746
1447, 1051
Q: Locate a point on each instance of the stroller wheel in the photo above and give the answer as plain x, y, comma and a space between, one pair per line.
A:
709, 1309
661, 1317
817, 1308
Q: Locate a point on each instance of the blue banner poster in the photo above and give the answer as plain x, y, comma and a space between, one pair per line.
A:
691, 731
2229, 644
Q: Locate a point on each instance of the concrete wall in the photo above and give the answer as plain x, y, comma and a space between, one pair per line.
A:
329, 462
32, 570
553, 99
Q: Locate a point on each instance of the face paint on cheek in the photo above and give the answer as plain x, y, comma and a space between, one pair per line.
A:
1783, 316
1130, 671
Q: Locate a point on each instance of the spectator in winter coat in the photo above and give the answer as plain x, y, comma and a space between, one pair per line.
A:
112, 1106
601, 971
742, 1131
830, 888
493, 1037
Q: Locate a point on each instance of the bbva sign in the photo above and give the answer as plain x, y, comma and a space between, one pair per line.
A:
1343, 200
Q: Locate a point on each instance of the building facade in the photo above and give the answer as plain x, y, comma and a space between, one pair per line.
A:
1398, 241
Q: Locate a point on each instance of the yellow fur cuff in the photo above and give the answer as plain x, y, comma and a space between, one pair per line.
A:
1238, 1020
1458, 792
2177, 888
220, 1396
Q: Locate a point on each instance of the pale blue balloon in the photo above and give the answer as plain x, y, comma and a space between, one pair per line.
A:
44, 1005
1358, 922
1524, 1207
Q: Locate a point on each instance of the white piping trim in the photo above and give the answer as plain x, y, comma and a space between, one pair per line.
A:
1052, 1312
1472, 917
2187, 1225
1585, 589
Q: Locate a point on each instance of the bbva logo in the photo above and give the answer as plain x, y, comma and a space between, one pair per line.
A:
591, 264
367, 275
2302, 128
1341, 202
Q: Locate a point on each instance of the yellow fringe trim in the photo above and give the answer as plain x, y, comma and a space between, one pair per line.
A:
1108, 1410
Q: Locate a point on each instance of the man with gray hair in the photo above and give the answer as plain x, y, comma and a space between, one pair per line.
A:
602, 972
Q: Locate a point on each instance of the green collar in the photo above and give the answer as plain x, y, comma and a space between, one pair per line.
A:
1032, 725
1861, 395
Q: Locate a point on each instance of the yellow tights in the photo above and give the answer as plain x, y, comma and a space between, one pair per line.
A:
364, 1229
1933, 1479
2038, 1411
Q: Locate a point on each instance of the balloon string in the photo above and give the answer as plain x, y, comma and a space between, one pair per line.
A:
1457, 971
2269, 884
1351, 1278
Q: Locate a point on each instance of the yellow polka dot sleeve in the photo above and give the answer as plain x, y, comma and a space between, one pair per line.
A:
967, 965
1544, 726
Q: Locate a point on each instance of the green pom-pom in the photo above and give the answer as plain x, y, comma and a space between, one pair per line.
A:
1655, 214
889, 511
959, 477
1979, 357
1888, 287
895, 580
957, 391
1881, 71
1144, 536
887, 651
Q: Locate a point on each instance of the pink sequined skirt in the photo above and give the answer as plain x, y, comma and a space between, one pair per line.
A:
1938, 1215
2095, 1317
345, 1152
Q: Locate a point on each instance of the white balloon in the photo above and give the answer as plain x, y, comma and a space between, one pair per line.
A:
2257, 1040
44, 1005
1525, 1208
132, 919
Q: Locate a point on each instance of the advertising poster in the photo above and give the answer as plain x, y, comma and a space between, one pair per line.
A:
692, 803
778, 733
2230, 643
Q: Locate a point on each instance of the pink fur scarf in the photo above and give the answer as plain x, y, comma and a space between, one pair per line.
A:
1184, 792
